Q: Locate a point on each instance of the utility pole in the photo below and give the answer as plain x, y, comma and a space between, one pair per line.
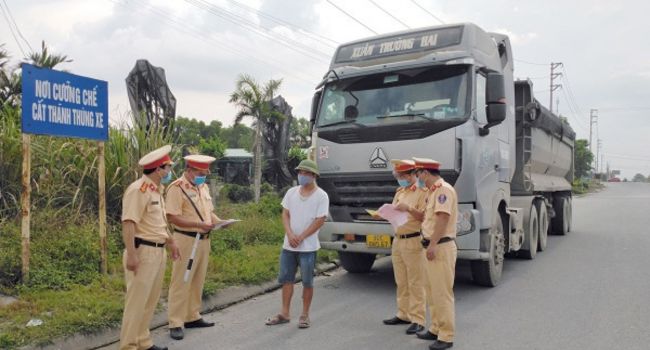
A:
553, 86
593, 120
598, 160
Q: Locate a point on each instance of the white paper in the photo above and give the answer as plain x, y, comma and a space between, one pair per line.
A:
224, 223
396, 217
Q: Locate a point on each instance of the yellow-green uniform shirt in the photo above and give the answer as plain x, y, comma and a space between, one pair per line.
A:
144, 205
415, 198
177, 203
442, 199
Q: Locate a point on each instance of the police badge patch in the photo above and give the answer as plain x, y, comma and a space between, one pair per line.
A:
442, 199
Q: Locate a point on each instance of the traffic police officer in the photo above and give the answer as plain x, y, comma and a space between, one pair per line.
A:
190, 212
407, 255
439, 231
145, 235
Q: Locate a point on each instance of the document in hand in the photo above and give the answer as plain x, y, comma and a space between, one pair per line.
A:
396, 217
224, 223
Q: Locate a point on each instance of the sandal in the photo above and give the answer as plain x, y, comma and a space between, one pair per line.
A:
277, 319
304, 322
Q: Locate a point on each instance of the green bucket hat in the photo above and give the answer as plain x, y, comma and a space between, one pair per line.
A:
308, 165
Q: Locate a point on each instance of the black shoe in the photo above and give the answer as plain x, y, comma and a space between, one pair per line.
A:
395, 321
200, 323
157, 348
176, 333
427, 335
439, 345
414, 328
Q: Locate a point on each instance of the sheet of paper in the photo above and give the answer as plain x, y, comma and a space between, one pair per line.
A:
396, 217
224, 223
372, 213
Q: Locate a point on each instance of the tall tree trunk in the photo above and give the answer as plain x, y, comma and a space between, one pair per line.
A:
258, 159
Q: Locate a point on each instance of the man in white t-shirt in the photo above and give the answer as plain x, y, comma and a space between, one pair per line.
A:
305, 208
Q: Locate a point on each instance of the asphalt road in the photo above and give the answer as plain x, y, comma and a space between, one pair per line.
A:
589, 290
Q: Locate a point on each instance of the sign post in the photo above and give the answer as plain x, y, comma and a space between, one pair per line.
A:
25, 201
62, 104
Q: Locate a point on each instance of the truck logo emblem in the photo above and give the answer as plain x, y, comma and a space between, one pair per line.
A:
378, 159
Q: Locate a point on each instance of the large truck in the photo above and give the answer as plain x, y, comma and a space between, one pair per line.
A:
446, 93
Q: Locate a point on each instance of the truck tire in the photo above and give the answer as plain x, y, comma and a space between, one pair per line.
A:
531, 225
488, 273
356, 262
542, 214
560, 223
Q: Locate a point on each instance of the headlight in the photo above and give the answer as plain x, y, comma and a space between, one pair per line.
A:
465, 223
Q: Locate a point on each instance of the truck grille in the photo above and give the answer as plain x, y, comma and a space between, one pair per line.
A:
351, 194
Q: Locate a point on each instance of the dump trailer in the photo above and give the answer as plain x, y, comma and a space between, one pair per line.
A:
447, 93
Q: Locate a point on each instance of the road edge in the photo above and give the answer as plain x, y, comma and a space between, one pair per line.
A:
222, 299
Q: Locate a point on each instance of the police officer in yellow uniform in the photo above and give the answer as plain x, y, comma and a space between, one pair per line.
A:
407, 254
190, 212
145, 235
439, 231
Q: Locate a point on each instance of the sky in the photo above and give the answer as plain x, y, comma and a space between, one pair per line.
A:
204, 45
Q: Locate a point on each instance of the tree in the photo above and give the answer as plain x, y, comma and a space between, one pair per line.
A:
191, 131
253, 100
11, 80
238, 136
300, 133
46, 59
583, 158
639, 178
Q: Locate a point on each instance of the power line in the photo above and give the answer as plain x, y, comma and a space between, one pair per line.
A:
246, 24
11, 29
427, 11
352, 17
323, 39
620, 156
532, 63
199, 34
389, 14
573, 113
565, 78
16, 25
622, 108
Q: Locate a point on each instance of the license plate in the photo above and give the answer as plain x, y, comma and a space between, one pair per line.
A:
378, 241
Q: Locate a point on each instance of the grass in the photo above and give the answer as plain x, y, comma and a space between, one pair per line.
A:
586, 186
67, 292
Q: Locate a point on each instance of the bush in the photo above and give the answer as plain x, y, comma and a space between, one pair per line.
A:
62, 253
266, 188
237, 193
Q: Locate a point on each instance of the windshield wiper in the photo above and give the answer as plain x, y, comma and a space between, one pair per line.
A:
421, 115
349, 121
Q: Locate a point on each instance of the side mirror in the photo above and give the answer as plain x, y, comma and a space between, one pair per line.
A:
315, 103
495, 97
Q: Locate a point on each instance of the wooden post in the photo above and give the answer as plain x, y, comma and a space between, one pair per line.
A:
25, 203
103, 244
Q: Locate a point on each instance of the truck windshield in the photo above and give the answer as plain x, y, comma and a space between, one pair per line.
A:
401, 97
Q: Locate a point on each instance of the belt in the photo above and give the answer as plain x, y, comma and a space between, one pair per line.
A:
139, 241
425, 241
193, 234
409, 235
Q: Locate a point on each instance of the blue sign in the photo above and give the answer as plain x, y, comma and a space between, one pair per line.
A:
63, 104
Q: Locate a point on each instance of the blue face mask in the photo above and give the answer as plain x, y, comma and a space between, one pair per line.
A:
199, 180
403, 183
304, 180
167, 179
421, 183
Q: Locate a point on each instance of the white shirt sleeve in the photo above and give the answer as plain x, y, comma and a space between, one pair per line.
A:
323, 205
